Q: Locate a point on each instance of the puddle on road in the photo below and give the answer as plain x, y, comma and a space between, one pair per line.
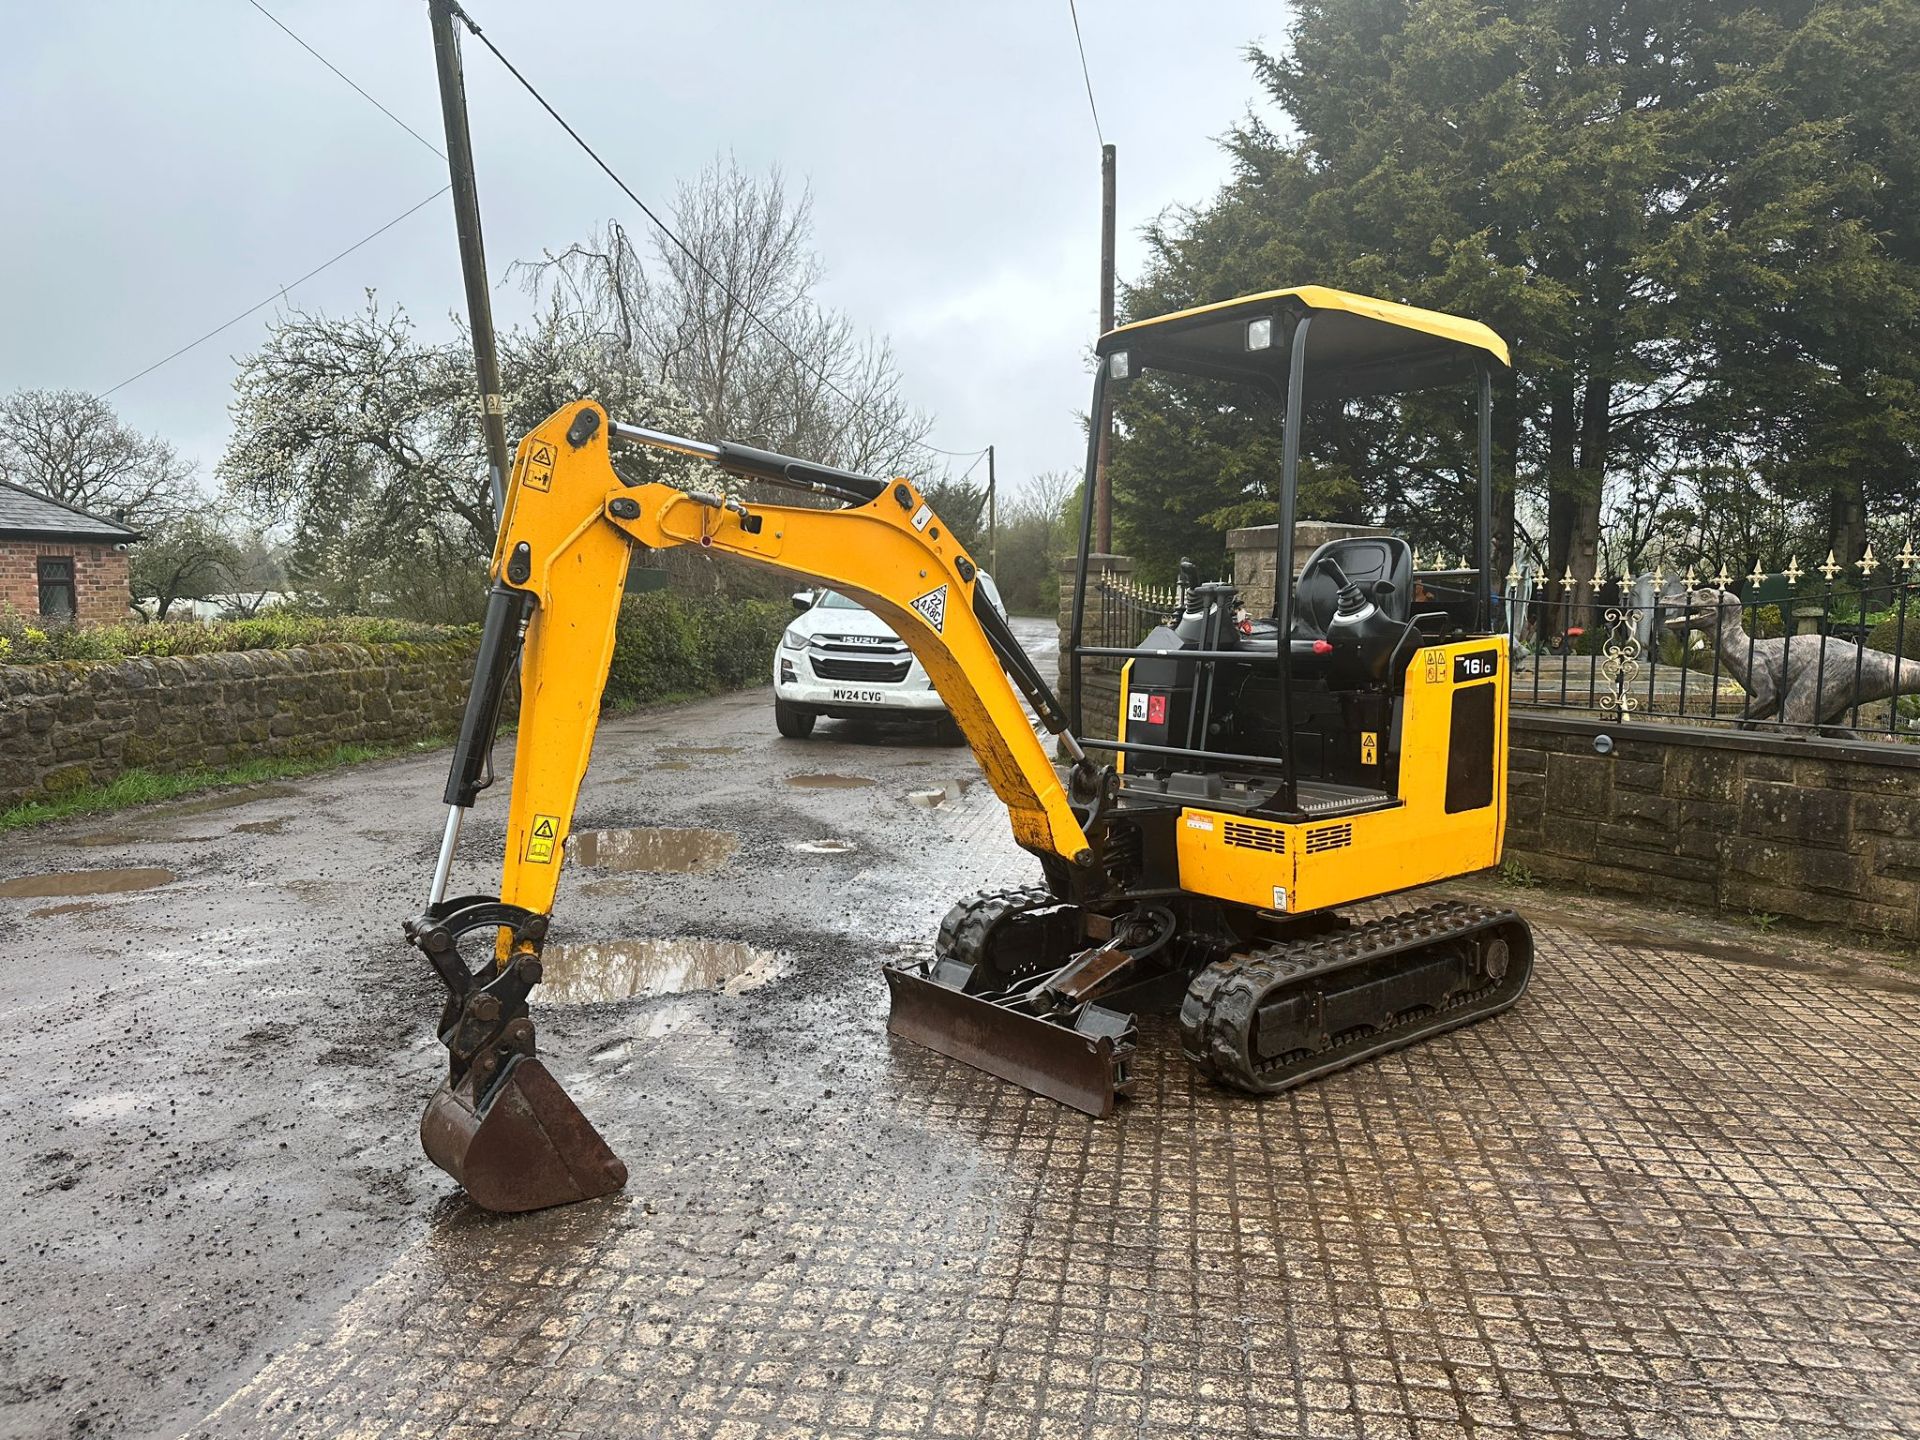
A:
591, 972
48, 912
660, 765
828, 782
702, 749
822, 847
84, 882
225, 800
683, 851
935, 799
141, 823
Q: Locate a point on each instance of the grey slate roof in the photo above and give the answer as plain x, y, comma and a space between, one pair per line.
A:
26, 513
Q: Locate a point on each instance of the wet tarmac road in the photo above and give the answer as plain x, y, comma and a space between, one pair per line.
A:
1675, 1193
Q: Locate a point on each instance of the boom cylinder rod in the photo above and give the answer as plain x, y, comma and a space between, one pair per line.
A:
443, 867
766, 465
661, 440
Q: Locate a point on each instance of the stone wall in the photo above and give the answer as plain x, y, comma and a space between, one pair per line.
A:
1817, 830
70, 724
101, 589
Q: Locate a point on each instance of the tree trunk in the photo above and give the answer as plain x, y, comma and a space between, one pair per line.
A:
1847, 517
1596, 433
1562, 503
1506, 477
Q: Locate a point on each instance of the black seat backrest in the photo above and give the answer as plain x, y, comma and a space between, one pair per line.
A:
1365, 560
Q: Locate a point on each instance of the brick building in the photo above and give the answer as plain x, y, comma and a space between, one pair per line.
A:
59, 562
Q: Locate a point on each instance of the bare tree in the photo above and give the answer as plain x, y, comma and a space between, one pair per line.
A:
252, 576
72, 447
184, 557
732, 322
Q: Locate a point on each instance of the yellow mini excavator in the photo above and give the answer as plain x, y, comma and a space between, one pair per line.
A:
1268, 771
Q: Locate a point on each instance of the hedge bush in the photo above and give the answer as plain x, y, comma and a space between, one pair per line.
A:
667, 643
26, 640
671, 644
1889, 635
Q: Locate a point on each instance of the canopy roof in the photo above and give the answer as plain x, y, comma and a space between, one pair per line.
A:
1356, 345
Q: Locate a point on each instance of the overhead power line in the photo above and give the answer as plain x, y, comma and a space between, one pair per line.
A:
277, 294
1097, 133
679, 244
346, 77
365, 239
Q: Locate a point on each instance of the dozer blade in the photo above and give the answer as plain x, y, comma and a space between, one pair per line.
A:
1086, 1065
525, 1147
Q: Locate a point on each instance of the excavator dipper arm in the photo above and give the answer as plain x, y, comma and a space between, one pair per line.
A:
502, 1125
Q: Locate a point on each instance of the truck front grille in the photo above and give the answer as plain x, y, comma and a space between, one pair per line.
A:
884, 672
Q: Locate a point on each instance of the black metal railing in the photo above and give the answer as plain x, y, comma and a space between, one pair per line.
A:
1831, 649
1121, 613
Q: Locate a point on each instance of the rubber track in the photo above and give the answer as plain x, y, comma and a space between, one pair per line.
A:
1217, 1016
967, 931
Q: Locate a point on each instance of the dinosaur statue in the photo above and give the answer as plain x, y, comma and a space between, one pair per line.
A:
1807, 681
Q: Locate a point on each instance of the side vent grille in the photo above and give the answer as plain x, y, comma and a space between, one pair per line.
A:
1256, 837
1329, 837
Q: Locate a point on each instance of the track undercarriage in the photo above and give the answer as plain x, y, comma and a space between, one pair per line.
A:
1017, 980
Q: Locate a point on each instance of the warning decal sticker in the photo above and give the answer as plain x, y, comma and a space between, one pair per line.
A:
540, 842
1369, 747
539, 467
933, 608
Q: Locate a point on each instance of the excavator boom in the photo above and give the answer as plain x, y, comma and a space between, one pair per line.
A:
501, 1124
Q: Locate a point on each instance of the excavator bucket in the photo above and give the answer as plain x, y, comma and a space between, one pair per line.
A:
1087, 1063
525, 1146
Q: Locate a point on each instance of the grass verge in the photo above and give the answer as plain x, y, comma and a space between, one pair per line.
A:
143, 787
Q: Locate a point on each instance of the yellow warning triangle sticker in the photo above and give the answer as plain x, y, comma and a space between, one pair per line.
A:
543, 828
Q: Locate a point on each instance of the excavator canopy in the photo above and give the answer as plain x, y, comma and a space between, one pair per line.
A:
1357, 345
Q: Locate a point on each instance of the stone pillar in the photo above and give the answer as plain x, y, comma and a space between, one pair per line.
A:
1069, 568
1252, 550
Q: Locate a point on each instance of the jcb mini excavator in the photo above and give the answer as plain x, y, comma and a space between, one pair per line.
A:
1268, 771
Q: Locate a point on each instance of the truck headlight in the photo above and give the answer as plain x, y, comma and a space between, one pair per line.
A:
791, 641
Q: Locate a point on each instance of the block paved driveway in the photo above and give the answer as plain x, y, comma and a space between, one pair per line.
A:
1675, 1193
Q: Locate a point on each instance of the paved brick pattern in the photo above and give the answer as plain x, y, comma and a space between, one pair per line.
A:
1669, 1195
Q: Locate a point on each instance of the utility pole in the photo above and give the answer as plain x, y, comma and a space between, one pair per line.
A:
1102, 486
993, 520
473, 257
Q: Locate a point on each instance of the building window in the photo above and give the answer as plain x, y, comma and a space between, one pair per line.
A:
56, 587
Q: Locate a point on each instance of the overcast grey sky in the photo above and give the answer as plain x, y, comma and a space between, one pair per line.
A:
168, 165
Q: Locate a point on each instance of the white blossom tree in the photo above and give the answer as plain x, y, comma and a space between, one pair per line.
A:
362, 443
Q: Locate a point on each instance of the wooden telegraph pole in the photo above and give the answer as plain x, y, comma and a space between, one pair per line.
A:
473, 257
1102, 487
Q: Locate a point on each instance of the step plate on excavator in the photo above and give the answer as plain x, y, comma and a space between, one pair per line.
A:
1086, 1065
528, 1149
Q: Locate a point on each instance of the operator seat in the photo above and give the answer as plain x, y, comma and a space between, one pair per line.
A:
1366, 560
